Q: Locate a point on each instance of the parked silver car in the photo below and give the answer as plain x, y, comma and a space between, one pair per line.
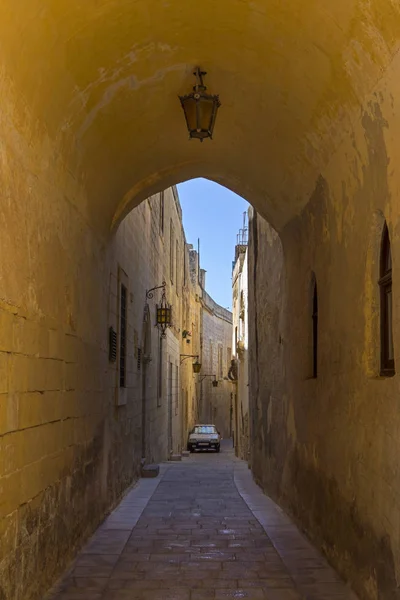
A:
204, 437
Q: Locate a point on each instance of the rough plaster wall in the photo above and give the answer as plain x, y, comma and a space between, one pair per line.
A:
327, 448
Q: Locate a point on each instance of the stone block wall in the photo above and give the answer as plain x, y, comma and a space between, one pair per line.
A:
327, 447
70, 439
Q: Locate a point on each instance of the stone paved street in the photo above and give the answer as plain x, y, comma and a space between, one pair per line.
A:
202, 530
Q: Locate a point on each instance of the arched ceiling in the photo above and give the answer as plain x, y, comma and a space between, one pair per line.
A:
102, 78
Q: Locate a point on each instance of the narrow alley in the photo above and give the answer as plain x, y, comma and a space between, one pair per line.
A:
201, 530
200, 210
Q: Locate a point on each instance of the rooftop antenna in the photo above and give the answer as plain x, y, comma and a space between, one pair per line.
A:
241, 238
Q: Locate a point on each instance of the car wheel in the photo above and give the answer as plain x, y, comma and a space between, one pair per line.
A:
217, 449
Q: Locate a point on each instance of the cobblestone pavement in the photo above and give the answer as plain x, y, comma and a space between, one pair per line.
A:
202, 530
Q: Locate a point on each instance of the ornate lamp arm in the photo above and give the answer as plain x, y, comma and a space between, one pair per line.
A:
149, 293
186, 356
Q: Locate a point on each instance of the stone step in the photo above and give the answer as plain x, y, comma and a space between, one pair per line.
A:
150, 470
175, 457
185, 453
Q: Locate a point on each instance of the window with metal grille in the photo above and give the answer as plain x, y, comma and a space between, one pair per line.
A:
122, 339
112, 351
385, 284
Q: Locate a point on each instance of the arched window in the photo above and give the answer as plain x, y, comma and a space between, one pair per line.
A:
315, 331
385, 284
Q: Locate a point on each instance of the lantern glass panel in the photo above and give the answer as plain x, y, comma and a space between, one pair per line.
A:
205, 108
164, 316
189, 107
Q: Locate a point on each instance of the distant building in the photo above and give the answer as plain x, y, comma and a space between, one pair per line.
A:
215, 388
240, 344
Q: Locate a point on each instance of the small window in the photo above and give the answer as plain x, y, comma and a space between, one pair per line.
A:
386, 307
122, 339
315, 332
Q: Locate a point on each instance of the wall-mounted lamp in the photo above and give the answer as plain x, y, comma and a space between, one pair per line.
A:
214, 381
163, 310
196, 365
200, 109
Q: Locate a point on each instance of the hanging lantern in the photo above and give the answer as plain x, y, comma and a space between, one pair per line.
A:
200, 109
196, 366
215, 383
164, 315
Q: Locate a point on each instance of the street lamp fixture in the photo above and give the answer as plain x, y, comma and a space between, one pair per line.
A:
200, 109
214, 381
196, 365
163, 310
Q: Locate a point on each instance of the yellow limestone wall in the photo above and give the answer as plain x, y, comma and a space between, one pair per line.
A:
328, 448
90, 125
67, 452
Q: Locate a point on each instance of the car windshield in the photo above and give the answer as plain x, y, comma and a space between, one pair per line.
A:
204, 429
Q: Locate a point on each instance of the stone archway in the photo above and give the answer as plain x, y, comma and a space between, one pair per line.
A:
90, 125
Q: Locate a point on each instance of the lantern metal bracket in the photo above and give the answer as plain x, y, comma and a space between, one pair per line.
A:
186, 356
203, 376
163, 311
149, 293
199, 76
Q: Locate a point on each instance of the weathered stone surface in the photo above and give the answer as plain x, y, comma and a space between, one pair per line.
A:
324, 447
175, 457
89, 128
70, 435
197, 537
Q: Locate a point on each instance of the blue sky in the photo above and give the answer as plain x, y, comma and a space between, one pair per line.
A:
215, 215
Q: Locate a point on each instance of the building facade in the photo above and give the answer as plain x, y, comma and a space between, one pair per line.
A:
239, 372
146, 379
215, 396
